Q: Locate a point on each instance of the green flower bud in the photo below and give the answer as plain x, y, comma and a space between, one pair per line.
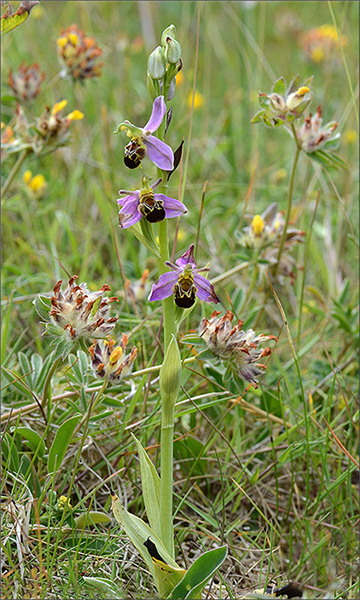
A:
172, 51
168, 32
153, 87
157, 64
170, 373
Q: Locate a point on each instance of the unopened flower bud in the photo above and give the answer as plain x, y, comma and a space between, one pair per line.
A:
170, 373
168, 32
277, 102
157, 64
172, 51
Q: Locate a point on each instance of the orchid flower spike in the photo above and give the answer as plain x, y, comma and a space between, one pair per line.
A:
143, 142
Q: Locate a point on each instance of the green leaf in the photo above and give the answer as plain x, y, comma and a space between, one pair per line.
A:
150, 483
8, 448
61, 443
35, 440
5, 329
9, 22
294, 85
166, 575
279, 86
257, 118
151, 246
193, 338
42, 306
92, 517
199, 573
36, 364
103, 584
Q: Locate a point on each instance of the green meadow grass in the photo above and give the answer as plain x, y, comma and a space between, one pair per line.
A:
272, 475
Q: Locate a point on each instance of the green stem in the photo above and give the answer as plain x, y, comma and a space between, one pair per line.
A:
48, 379
289, 202
14, 171
166, 482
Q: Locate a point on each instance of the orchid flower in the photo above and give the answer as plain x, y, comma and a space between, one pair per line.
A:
144, 142
184, 282
144, 203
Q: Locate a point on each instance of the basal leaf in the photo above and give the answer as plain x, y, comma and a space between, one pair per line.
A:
145, 539
198, 574
35, 440
150, 483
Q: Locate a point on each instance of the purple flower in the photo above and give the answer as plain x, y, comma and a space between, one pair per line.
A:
184, 282
144, 203
143, 142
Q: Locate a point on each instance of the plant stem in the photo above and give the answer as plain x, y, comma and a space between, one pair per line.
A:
14, 171
289, 202
166, 482
48, 379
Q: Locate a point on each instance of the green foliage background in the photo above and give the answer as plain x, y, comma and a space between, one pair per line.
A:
298, 477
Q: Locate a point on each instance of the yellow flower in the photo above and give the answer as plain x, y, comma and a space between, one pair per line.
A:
36, 185
63, 501
199, 100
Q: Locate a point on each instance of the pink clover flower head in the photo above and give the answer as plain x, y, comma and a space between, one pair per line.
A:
185, 282
82, 314
145, 203
237, 348
112, 363
143, 142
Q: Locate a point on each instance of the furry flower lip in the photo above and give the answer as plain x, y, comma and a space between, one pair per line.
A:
111, 363
237, 348
143, 142
185, 282
81, 313
145, 203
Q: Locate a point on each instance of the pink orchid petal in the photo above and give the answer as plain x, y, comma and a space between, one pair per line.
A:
205, 290
159, 153
186, 258
129, 213
157, 115
163, 288
173, 207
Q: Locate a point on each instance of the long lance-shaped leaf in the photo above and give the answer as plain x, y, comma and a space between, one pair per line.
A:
150, 483
164, 570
